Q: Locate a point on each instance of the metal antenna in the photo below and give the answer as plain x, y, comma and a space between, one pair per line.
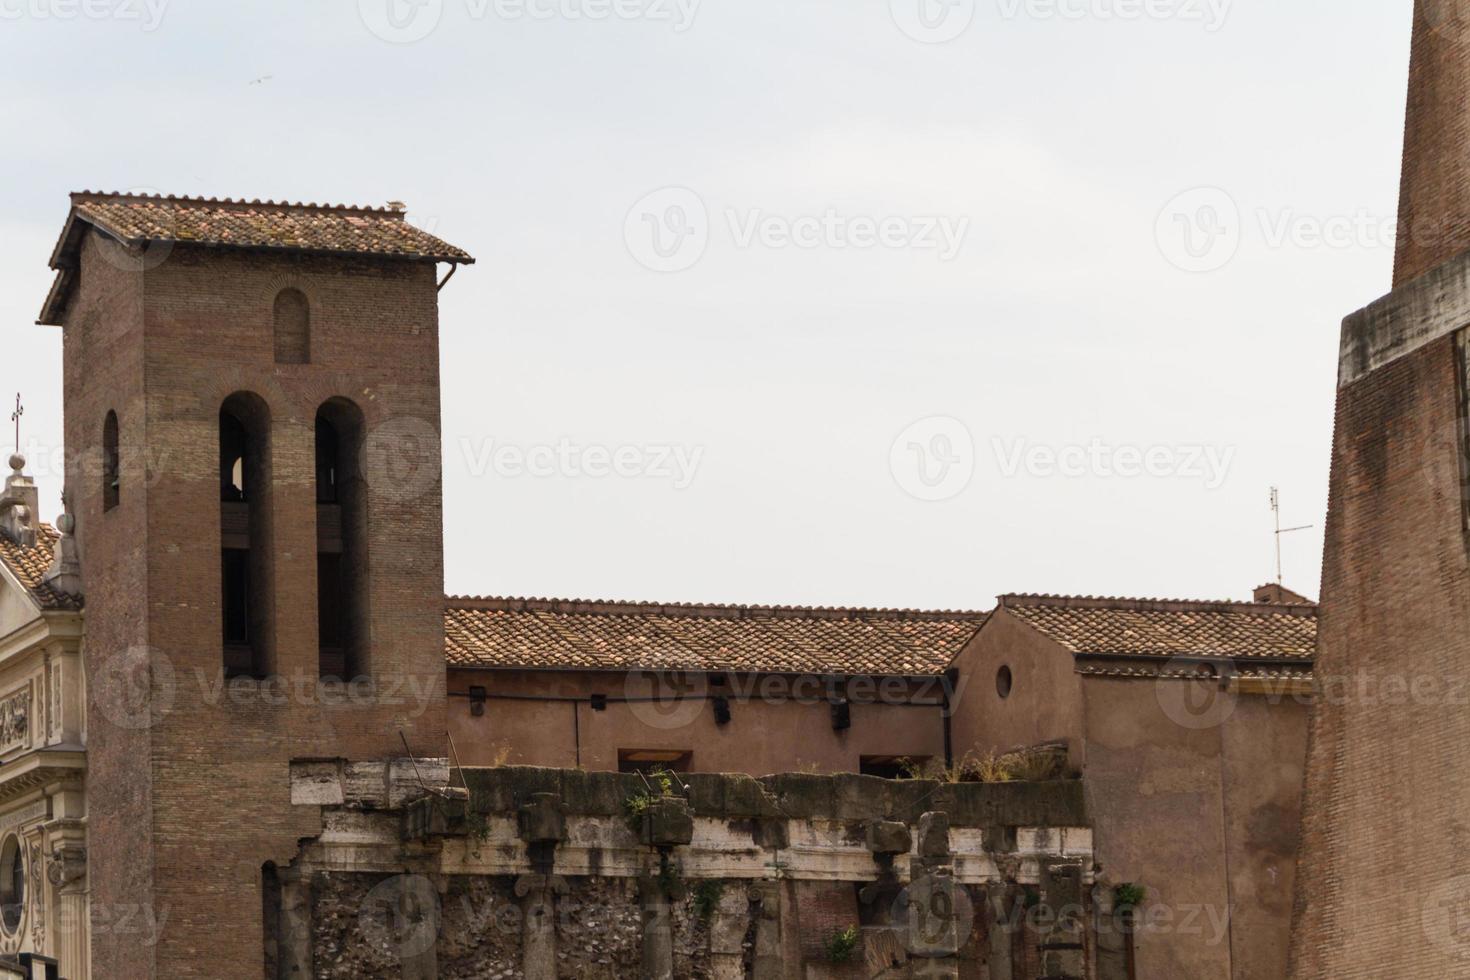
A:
1276, 511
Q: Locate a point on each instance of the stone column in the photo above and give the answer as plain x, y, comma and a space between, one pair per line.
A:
1063, 947
293, 943
67, 873
940, 912
667, 824
727, 930
999, 956
767, 954
542, 825
658, 930
538, 922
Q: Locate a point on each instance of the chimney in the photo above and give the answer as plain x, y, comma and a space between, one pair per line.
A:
1434, 192
1280, 595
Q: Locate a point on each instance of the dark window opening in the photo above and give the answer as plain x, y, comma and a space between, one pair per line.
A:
328, 453
235, 578
234, 443
331, 615
342, 542
1004, 682
892, 766
654, 760
111, 467
12, 884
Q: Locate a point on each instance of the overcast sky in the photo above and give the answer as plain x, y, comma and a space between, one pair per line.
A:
817, 302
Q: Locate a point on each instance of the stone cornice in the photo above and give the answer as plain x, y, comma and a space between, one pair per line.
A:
1417, 313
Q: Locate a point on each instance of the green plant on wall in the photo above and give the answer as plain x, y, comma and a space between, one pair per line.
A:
661, 783
842, 945
707, 898
1127, 897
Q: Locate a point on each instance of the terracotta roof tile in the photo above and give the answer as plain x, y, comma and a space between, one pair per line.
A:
29, 566
1171, 628
558, 634
227, 223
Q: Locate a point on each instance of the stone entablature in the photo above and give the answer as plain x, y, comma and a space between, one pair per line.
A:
543, 873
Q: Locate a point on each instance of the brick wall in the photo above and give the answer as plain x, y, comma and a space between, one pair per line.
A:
1381, 883
192, 804
1434, 200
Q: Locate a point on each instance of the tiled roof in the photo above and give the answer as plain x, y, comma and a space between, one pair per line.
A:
227, 223
571, 635
1171, 628
30, 565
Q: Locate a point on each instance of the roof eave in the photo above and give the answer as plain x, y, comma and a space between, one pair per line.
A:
64, 259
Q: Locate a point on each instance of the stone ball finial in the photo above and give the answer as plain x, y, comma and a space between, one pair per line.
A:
17, 462
66, 524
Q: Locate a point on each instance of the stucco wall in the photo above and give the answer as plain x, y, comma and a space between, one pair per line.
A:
1157, 792
1200, 807
1045, 703
1264, 747
768, 732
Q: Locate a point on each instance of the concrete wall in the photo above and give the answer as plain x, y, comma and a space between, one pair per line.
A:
769, 731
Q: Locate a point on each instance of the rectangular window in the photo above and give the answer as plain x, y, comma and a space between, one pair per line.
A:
892, 766
652, 760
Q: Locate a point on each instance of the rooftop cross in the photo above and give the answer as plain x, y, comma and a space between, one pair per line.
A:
15, 417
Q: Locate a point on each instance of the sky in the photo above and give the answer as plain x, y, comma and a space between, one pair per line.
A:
899, 303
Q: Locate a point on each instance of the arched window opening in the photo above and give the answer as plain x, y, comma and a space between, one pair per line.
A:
111, 466
245, 568
342, 542
292, 327
12, 884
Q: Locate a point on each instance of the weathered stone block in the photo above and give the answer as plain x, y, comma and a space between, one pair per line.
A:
889, 837
934, 838
668, 823
542, 820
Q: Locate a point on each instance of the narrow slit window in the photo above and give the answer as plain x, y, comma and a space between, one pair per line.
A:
342, 542
111, 463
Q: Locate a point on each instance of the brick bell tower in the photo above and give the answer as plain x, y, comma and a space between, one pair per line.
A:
252, 420
1384, 880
